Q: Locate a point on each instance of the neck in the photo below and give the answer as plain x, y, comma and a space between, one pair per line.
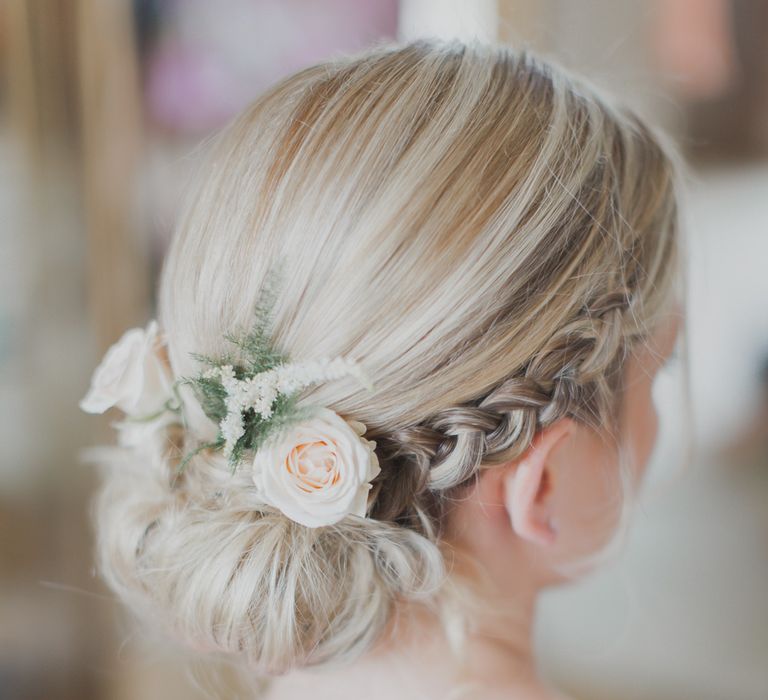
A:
415, 657
495, 648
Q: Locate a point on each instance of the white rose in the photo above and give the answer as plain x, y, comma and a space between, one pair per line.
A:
132, 376
319, 471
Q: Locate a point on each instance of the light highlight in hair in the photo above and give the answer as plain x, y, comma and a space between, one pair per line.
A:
485, 232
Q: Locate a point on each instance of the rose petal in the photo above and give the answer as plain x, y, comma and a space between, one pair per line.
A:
132, 375
108, 380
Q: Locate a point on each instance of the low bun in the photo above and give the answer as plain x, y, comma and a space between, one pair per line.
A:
226, 575
483, 231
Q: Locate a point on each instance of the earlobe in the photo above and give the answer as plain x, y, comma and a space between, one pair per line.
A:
526, 486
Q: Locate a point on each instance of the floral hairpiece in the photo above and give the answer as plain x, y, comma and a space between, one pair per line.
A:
307, 461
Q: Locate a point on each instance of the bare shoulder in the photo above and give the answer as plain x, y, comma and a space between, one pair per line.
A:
484, 692
301, 685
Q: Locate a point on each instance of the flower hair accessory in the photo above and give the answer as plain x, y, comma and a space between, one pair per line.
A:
307, 461
134, 377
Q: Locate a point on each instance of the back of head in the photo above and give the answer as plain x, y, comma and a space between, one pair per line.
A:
487, 233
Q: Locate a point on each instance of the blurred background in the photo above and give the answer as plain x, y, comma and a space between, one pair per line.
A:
102, 106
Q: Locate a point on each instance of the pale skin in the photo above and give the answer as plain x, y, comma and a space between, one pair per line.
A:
524, 523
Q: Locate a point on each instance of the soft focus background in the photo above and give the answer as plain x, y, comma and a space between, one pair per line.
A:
102, 104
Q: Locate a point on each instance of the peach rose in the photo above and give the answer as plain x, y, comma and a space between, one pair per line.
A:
319, 471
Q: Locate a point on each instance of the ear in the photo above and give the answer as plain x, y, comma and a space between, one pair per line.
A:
528, 484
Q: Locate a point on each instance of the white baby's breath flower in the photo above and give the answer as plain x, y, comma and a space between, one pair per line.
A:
260, 391
232, 430
132, 375
319, 471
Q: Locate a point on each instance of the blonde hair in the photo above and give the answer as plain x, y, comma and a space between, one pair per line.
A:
487, 233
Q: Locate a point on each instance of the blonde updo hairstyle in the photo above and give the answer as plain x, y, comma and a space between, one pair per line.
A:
487, 233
